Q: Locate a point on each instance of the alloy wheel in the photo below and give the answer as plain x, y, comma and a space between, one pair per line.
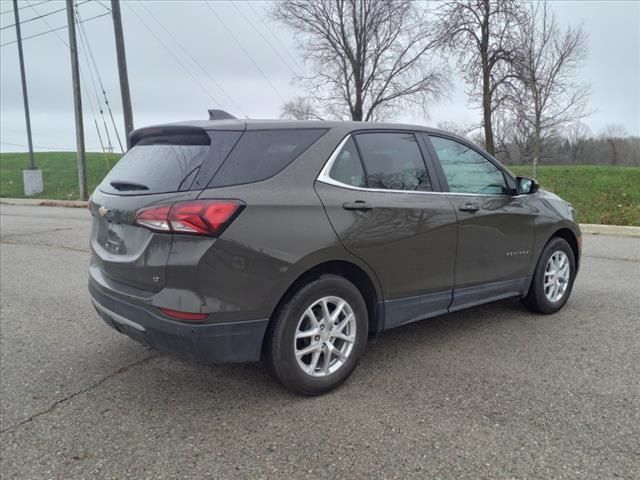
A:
556, 276
325, 336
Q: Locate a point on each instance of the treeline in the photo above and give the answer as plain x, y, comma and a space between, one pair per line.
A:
572, 145
370, 60
589, 151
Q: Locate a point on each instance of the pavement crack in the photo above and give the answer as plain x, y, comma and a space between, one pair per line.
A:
49, 245
79, 392
37, 232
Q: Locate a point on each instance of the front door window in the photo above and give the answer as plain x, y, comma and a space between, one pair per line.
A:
466, 170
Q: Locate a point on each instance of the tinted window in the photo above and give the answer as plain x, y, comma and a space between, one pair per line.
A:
155, 169
347, 167
466, 170
393, 161
260, 154
171, 161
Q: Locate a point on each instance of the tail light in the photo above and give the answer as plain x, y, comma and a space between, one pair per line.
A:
198, 217
188, 316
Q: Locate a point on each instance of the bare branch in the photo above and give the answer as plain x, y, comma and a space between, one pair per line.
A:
547, 66
369, 57
482, 33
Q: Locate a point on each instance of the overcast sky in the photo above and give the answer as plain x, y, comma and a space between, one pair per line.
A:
245, 64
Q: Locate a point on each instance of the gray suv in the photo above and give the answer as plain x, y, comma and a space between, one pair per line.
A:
294, 242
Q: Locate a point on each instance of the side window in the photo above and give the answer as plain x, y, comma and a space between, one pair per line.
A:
260, 154
393, 161
347, 168
466, 170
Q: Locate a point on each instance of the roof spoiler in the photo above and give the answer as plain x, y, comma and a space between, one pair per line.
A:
220, 115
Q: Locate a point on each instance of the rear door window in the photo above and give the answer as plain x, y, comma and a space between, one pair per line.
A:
260, 154
169, 163
393, 161
347, 167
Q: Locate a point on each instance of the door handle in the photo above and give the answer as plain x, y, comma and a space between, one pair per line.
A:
469, 207
357, 205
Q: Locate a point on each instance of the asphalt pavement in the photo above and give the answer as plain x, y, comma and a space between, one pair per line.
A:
491, 392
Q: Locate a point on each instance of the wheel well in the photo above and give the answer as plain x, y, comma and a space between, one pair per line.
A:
351, 272
571, 239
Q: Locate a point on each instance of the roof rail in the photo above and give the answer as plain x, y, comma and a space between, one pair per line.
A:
220, 115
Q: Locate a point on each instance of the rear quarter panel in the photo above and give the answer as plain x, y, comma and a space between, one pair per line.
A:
282, 232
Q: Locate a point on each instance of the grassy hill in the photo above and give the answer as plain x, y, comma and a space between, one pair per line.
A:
59, 172
600, 194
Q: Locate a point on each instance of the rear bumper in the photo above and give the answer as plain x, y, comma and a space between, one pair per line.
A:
211, 343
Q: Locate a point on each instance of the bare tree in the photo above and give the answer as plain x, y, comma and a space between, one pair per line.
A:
614, 134
547, 66
300, 108
483, 35
577, 134
369, 57
463, 129
513, 136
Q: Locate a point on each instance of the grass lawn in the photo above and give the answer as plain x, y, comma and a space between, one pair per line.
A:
59, 173
600, 194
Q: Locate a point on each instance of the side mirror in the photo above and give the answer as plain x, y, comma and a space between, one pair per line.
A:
527, 185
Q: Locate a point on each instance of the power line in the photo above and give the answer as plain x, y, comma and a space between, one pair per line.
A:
245, 51
104, 92
178, 61
85, 47
64, 149
275, 37
186, 51
84, 82
275, 50
22, 22
21, 8
103, 5
52, 30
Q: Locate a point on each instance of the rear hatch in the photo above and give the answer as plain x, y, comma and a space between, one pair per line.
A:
165, 165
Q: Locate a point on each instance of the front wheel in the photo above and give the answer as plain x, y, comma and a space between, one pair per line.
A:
318, 336
553, 278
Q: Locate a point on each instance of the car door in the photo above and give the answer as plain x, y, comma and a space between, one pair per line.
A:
378, 195
495, 225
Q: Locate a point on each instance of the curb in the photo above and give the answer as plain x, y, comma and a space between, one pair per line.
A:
37, 202
587, 228
617, 230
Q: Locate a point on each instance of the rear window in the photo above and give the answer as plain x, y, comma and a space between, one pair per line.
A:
260, 154
169, 163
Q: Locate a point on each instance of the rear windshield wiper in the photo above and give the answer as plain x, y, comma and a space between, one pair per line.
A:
123, 185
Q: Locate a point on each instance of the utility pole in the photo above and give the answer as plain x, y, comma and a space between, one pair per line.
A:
122, 69
77, 102
32, 177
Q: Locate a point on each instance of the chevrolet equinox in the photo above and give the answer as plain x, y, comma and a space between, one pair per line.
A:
294, 241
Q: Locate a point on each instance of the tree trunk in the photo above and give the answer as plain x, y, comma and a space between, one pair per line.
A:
486, 82
536, 152
614, 160
488, 128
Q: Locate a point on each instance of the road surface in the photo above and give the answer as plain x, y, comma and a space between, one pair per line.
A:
492, 392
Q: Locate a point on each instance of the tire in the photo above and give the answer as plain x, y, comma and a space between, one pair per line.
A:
540, 299
296, 316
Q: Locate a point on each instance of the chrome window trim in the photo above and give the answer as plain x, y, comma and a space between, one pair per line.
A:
324, 177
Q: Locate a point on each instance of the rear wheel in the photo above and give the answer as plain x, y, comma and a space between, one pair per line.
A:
553, 278
318, 336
